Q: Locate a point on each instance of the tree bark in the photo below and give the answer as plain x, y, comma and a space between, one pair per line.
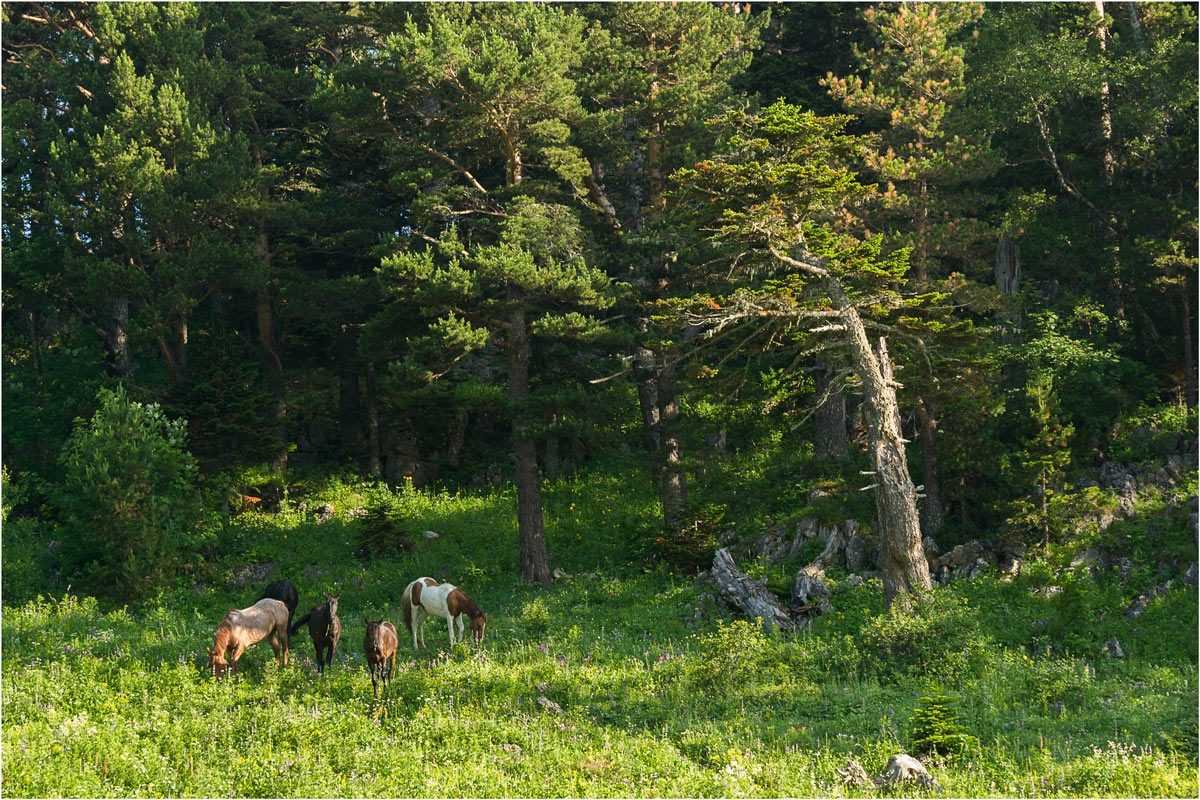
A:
534, 560
374, 461
1189, 364
552, 449
644, 374
1106, 129
749, 596
350, 403
264, 312
829, 422
1008, 281
902, 558
674, 479
458, 437
265, 316
116, 338
902, 563
933, 514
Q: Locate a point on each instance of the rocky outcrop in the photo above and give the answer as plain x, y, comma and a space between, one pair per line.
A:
970, 559
1095, 559
251, 574
901, 768
843, 544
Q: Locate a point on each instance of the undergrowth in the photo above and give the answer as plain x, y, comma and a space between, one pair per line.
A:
663, 693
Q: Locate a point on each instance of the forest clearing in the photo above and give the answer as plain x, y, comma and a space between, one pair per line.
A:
599, 400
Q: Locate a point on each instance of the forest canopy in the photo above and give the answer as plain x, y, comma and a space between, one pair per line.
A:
490, 242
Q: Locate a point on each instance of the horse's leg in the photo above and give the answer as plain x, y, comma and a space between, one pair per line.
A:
238, 649
421, 616
460, 627
273, 640
450, 625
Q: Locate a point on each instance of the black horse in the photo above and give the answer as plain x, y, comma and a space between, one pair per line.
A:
324, 627
284, 592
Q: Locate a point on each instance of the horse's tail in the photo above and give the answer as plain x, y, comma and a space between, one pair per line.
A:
406, 607
298, 623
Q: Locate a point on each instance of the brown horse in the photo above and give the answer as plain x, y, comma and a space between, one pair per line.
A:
379, 645
325, 629
240, 629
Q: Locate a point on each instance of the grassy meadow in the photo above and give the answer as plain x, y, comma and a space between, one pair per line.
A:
663, 691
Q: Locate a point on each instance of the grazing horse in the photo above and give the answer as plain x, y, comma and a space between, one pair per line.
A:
425, 597
379, 645
325, 629
284, 592
240, 629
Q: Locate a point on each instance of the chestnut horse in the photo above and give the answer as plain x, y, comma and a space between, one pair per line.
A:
379, 645
240, 629
425, 597
325, 629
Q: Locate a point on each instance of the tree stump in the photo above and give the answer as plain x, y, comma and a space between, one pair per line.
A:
751, 597
809, 589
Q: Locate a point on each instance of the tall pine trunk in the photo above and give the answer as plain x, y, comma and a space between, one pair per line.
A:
1189, 364
534, 560
829, 421
1108, 159
116, 338
374, 459
674, 479
903, 565
933, 514
350, 404
646, 378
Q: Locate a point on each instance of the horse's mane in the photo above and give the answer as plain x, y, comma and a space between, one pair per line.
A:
472, 610
221, 643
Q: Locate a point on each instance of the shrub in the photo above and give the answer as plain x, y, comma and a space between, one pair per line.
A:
380, 532
128, 501
939, 635
935, 727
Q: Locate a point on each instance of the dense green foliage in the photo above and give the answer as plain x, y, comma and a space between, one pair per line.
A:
599, 289
128, 500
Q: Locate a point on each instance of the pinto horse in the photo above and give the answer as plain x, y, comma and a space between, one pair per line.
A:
379, 646
425, 597
325, 629
266, 619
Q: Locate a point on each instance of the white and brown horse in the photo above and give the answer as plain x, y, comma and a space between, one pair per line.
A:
242, 628
425, 597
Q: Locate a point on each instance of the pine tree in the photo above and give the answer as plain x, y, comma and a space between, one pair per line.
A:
915, 80
655, 72
768, 203
483, 93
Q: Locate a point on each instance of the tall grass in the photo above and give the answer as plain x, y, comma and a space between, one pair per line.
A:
663, 693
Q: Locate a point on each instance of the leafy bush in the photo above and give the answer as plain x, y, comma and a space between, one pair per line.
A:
1149, 434
128, 502
938, 636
